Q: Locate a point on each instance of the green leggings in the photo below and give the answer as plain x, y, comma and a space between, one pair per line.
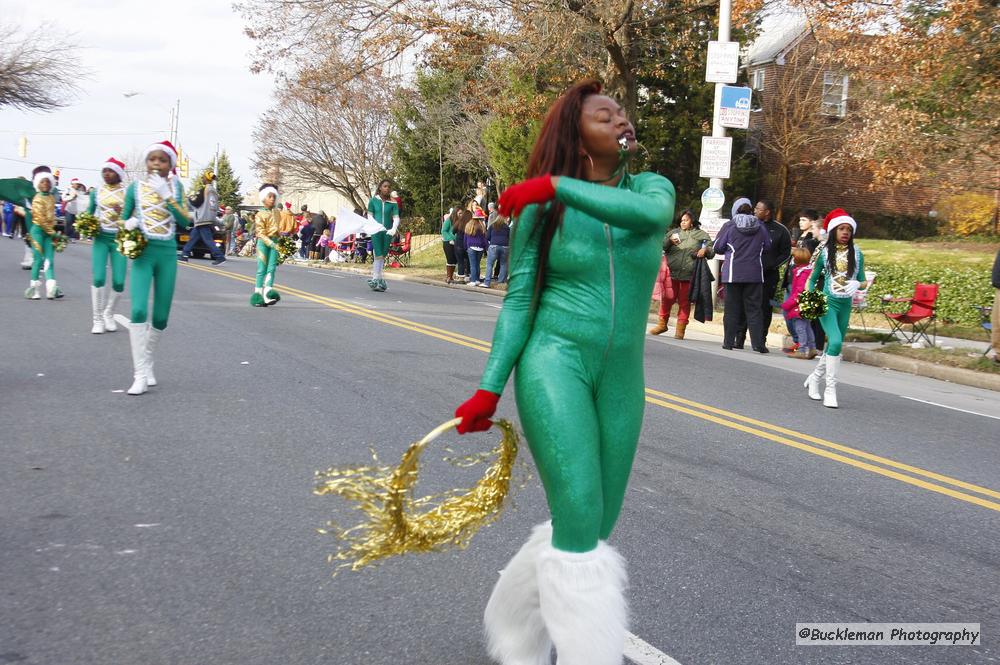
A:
44, 251
267, 263
105, 249
581, 411
156, 266
834, 322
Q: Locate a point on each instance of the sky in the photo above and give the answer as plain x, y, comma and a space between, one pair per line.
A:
191, 50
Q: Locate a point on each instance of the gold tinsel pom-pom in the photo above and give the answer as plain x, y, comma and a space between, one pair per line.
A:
397, 523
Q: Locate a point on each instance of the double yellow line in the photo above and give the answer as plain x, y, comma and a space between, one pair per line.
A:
883, 466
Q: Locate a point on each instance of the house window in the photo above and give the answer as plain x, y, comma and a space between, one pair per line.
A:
757, 79
834, 94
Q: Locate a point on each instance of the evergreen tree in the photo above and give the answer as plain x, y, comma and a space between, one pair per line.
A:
226, 182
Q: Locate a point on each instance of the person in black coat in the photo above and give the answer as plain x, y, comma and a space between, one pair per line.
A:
995, 341
773, 258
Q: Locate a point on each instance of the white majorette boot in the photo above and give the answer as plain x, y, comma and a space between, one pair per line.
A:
108, 314
582, 599
812, 381
515, 630
270, 295
52, 289
97, 294
137, 334
31, 293
830, 394
29, 258
152, 339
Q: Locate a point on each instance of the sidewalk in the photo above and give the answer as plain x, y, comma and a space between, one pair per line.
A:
711, 331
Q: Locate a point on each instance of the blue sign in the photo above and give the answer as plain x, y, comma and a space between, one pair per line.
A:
734, 110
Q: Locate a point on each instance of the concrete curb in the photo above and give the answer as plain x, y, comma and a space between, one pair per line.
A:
854, 354
965, 377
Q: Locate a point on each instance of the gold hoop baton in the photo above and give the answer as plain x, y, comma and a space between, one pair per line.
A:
397, 523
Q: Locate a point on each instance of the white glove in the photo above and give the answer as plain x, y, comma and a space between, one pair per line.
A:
131, 224
392, 231
851, 287
162, 186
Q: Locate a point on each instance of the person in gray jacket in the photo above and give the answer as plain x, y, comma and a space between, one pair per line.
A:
743, 240
206, 212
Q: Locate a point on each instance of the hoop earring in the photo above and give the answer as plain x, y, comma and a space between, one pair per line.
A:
591, 159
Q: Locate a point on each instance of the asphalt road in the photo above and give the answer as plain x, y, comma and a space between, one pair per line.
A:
180, 527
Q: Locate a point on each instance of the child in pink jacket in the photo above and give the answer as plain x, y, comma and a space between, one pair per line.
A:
802, 327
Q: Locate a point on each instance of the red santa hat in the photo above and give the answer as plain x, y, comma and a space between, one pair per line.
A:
165, 146
836, 217
115, 165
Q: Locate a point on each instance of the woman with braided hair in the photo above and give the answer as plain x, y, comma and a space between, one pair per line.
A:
585, 252
40, 218
154, 205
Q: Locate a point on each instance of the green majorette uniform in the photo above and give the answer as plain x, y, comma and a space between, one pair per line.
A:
152, 205
40, 219
580, 391
107, 203
386, 213
840, 284
267, 225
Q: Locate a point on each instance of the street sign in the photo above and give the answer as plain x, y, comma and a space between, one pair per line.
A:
712, 199
723, 62
711, 222
734, 111
716, 156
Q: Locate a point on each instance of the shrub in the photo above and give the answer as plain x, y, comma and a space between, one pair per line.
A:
959, 292
968, 214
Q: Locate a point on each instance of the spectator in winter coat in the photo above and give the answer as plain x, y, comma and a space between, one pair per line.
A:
684, 243
306, 236
773, 258
806, 349
498, 241
743, 239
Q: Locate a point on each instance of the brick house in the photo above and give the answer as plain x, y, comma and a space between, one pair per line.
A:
802, 100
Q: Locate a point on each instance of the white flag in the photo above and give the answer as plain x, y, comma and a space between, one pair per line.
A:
349, 223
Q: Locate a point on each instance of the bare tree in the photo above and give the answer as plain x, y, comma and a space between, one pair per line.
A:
336, 140
795, 134
37, 72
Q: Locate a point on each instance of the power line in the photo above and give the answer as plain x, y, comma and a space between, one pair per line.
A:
30, 133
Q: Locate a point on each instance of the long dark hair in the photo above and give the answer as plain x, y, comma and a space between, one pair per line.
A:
557, 152
831, 254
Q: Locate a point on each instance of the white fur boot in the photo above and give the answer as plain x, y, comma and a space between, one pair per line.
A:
97, 300
29, 258
152, 339
31, 293
812, 381
583, 604
830, 394
515, 631
137, 334
52, 289
108, 314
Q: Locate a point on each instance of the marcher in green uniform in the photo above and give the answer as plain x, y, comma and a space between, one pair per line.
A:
40, 219
585, 252
841, 263
267, 225
385, 211
154, 205
106, 204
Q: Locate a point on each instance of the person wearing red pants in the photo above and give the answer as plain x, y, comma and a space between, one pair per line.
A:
685, 242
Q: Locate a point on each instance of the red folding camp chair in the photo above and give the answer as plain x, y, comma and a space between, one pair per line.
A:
920, 316
399, 252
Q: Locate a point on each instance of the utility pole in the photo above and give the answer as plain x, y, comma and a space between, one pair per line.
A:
440, 175
718, 131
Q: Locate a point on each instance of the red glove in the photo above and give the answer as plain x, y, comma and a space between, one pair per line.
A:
476, 411
516, 197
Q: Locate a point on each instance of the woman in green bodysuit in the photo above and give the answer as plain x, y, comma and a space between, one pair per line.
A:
842, 264
40, 219
106, 204
152, 205
584, 255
